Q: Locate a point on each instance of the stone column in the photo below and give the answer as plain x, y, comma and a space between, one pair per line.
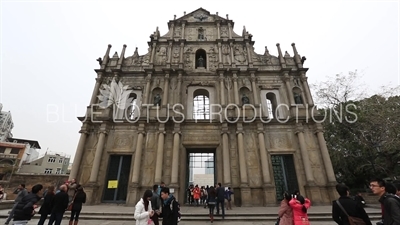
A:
286, 79
218, 30
160, 154
97, 157
181, 53
242, 158
306, 88
253, 86
221, 86
183, 31
220, 52
138, 158
173, 30
232, 55
304, 156
325, 155
230, 30
235, 88
175, 158
169, 51
178, 88
99, 79
153, 51
249, 53
264, 158
79, 153
166, 87
225, 154
146, 97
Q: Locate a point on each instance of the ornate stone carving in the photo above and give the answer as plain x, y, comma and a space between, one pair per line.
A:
226, 54
188, 58
178, 32
161, 56
175, 57
123, 141
240, 54
190, 34
213, 58
224, 32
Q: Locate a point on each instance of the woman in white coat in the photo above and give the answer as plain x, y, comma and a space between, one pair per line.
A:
143, 210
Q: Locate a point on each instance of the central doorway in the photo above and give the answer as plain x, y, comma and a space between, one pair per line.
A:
116, 188
201, 171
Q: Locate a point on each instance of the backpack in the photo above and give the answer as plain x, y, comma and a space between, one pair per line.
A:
178, 206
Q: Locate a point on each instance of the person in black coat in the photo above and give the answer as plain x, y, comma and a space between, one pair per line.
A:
77, 201
353, 208
60, 204
25, 209
46, 207
221, 199
169, 211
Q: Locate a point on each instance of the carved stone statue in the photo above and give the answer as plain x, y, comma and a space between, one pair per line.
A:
157, 100
201, 34
245, 99
297, 98
200, 62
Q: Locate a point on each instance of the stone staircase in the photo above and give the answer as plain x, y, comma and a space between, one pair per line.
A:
374, 215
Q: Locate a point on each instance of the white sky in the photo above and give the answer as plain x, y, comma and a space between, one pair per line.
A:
49, 48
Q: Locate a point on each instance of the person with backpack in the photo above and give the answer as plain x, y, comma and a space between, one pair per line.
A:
170, 211
390, 203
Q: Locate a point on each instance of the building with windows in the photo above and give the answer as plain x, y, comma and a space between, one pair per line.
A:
49, 163
201, 88
6, 124
31, 150
11, 155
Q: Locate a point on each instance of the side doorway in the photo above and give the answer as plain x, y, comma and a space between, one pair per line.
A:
116, 183
284, 174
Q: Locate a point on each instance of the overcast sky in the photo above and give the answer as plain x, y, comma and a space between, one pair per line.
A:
49, 48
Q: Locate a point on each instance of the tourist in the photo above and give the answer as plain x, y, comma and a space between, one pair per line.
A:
155, 204
300, 205
211, 200
285, 212
77, 201
59, 205
22, 192
143, 209
170, 208
46, 207
25, 209
228, 197
390, 203
221, 199
350, 207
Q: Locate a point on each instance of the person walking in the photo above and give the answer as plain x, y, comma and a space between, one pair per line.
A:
59, 205
21, 192
25, 209
211, 200
170, 208
221, 199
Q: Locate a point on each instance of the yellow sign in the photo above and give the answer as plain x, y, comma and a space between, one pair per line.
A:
112, 184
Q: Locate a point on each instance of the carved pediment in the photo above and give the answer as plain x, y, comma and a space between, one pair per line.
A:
200, 15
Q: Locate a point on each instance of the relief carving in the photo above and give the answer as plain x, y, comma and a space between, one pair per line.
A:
240, 54
188, 58
175, 56
123, 142
161, 56
178, 32
213, 58
224, 32
225, 54
190, 34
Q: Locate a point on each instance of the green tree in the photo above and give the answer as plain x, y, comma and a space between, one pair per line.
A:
361, 132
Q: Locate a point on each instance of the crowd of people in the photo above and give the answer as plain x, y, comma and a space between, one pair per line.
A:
346, 210
69, 196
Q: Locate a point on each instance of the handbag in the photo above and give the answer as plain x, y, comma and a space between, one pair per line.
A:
352, 220
278, 220
69, 208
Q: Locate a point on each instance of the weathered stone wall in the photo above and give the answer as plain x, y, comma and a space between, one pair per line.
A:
30, 180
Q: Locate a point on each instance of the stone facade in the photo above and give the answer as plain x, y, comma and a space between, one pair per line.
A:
258, 118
